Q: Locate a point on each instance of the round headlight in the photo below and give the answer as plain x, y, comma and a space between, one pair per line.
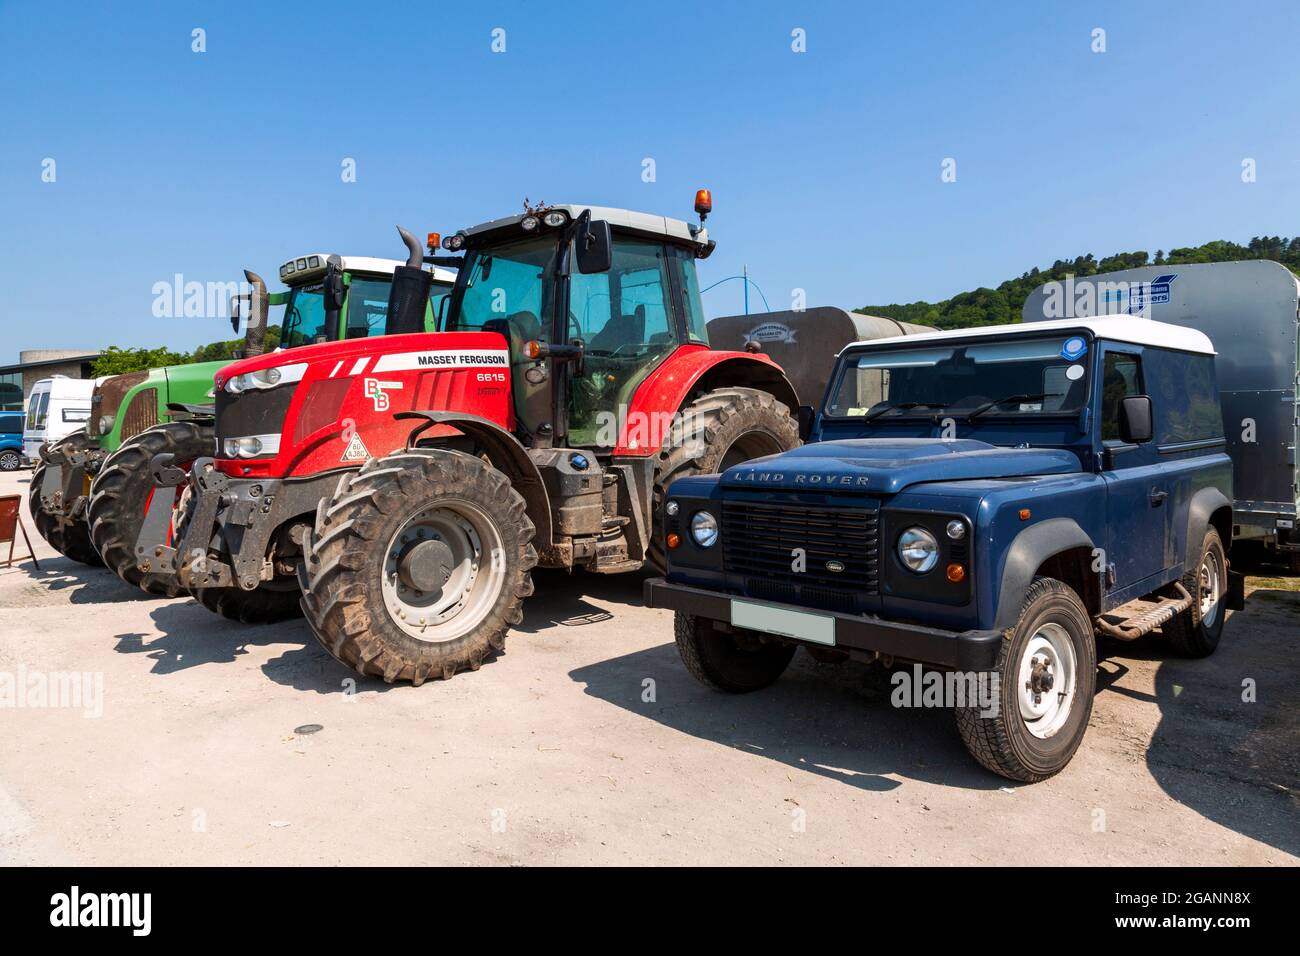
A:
250, 447
231, 447
918, 550
105, 424
672, 508
956, 529
704, 529
555, 218
528, 223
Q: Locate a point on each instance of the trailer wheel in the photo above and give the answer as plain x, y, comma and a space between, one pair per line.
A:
737, 663
119, 497
72, 540
1196, 631
1047, 673
718, 430
418, 565
10, 460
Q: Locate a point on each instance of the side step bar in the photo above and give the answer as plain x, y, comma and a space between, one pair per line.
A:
1130, 629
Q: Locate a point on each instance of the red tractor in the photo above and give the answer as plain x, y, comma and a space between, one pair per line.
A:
408, 484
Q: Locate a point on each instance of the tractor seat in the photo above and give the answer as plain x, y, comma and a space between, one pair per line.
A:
625, 330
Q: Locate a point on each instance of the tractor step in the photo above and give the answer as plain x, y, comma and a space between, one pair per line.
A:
1139, 618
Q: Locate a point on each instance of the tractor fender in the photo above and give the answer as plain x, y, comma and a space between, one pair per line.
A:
1203, 505
669, 387
1029, 549
506, 454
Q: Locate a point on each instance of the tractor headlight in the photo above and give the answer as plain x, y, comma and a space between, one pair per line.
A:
528, 223
555, 218
918, 550
266, 378
704, 529
105, 424
251, 446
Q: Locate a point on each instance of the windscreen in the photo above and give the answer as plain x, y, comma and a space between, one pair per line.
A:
1021, 377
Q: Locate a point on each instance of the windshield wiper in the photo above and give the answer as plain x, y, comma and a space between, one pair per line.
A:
901, 407
989, 406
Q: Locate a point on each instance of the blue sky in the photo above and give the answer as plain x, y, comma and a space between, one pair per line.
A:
824, 165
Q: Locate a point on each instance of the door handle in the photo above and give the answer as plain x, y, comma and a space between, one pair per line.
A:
1158, 497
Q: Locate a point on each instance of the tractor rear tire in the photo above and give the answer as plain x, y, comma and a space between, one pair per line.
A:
267, 604
120, 495
70, 540
425, 533
718, 430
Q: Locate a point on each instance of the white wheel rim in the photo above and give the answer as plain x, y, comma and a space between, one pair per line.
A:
470, 591
1210, 581
1047, 679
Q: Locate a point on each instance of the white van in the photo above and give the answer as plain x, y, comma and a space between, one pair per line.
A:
57, 407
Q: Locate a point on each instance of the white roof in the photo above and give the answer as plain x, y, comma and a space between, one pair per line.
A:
617, 218
365, 264
1115, 328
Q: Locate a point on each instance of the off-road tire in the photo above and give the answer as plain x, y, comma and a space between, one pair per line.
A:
10, 460
1002, 743
120, 493
70, 540
718, 660
343, 571
719, 429
268, 603
1187, 632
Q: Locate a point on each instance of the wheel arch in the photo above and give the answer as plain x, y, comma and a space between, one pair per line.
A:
505, 453
1059, 548
693, 369
1208, 508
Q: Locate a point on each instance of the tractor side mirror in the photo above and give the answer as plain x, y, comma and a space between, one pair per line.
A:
333, 290
1135, 419
236, 309
807, 415
593, 246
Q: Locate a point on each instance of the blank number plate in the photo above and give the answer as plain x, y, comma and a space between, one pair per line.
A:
816, 628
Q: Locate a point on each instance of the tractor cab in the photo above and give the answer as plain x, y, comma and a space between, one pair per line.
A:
344, 297
607, 294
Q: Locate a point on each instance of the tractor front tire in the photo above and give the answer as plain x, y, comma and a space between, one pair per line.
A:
120, 494
720, 429
72, 540
418, 565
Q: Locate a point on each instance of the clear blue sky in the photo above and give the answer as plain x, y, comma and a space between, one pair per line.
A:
824, 165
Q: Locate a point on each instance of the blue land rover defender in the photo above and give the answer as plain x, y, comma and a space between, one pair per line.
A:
984, 502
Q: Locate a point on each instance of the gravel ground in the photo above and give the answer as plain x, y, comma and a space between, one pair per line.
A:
587, 742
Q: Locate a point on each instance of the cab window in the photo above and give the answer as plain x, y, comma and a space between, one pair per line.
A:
367, 307
1121, 377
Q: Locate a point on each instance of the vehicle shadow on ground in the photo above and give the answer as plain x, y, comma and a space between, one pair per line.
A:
559, 599
1234, 760
832, 720
79, 583
191, 636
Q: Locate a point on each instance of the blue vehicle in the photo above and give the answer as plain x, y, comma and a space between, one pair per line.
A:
11, 441
983, 502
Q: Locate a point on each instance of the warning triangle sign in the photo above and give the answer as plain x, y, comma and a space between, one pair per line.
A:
356, 450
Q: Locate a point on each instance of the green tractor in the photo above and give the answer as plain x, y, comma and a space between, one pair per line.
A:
89, 490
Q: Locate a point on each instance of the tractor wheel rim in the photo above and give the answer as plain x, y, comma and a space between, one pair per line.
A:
1210, 579
1046, 681
476, 572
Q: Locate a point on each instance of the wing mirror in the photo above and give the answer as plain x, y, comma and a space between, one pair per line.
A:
807, 417
593, 246
1135, 419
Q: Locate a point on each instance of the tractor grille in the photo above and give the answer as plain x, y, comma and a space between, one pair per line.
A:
758, 541
142, 413
107, 398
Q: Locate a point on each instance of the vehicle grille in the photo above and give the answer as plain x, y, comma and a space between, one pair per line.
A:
107, 398
142, 413
758, 540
